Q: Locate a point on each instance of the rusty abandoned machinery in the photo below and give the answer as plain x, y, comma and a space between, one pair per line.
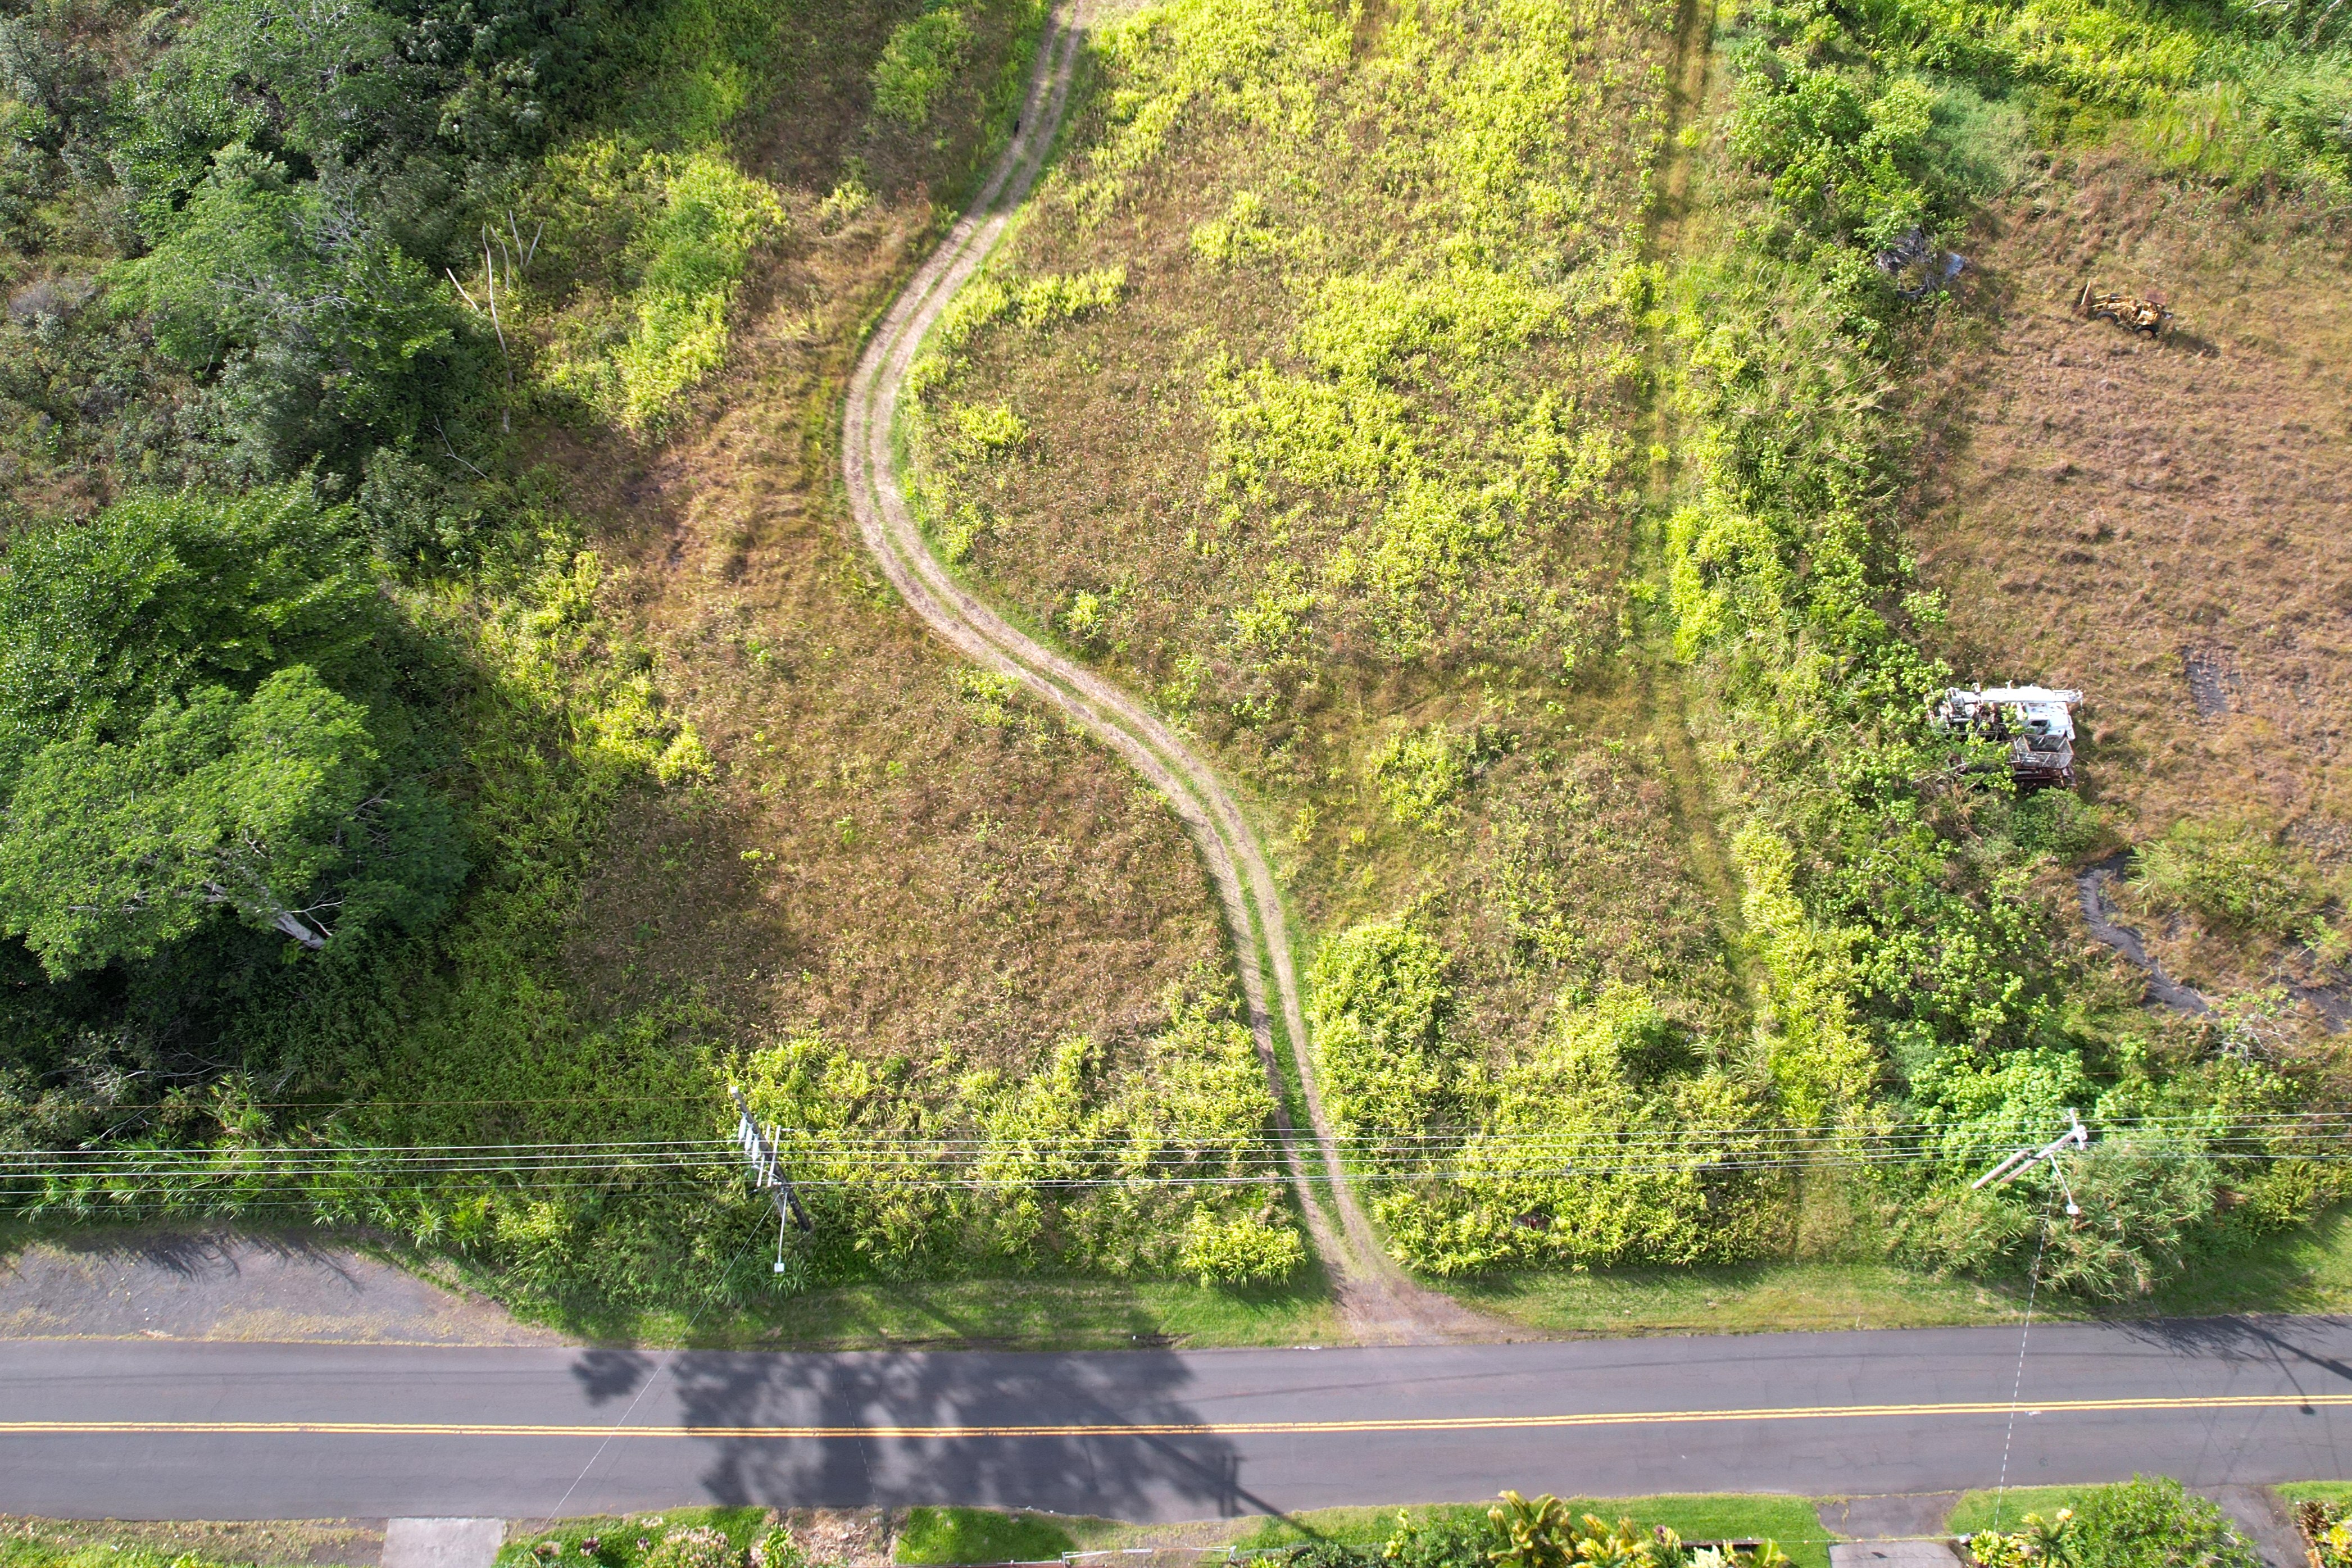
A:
2148, 316
2037, 723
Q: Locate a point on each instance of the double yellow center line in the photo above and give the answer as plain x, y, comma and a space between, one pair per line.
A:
2308, 1404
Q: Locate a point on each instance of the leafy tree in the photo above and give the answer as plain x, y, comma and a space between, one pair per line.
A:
109, 849
318, 334
161, 593
323, 78
173, 743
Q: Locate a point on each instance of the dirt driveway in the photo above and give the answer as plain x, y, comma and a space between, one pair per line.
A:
226, 1285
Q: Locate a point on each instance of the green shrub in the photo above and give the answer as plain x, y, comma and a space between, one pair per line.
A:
2144, 1205
1377, 1010
1420, 771
2141, 1201
1239, 1250
921, 58
990, 429
2056, 822
2229, 870
1568, 1172
777, 1549
697, 1546
1439, 1542
1843, 162
1045, 299
2153, 1521
693, 223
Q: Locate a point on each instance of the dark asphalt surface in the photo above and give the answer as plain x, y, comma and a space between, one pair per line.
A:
617, 1416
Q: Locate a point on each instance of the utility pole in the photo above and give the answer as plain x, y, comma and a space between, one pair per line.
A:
760, 1150
2075, 1136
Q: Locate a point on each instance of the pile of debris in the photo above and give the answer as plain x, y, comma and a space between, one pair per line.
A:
2038, 723
1918, 264
2130, 310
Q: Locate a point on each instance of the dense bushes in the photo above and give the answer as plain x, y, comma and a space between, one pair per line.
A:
302, 788
1062, 1169
1389, 1066
1600, 1147
2148, 1522
2232, 871
657, 323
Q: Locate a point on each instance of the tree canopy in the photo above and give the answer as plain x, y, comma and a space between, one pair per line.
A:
189, 726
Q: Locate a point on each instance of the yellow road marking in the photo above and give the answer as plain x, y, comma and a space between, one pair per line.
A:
1170, 1428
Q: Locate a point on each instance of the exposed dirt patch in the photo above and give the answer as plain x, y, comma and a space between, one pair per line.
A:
2165, 524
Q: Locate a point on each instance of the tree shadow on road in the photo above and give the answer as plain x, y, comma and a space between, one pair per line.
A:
2308, 1350
1161, 1475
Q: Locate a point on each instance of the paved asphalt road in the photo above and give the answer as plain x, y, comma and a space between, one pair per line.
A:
226, 1430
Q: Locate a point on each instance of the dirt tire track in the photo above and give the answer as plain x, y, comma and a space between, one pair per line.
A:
1382, 1305
1665, 691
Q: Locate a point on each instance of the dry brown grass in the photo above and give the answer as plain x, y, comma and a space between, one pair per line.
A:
2165, 524
882, 855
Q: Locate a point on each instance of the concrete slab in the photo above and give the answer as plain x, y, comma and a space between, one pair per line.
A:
2264, 1521
443, 1542
1893, 1555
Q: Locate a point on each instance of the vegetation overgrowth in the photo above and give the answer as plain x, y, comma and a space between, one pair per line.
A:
1547, 1532
1911, 954
1332, 390
1417, 596
321, 693
2139, 1523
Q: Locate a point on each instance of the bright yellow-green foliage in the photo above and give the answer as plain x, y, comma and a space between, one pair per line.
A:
1439, 227
1239, 1250
1038, 301
1594, 1150
1378, 1012
990, 429
919, 62
1421, 771
545, 644
696, 222
1822, 1061
1188, 1110
1243, 234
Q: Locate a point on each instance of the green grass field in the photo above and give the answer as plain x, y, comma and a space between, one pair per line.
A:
950, 1535
1008, 1314
2305, 1269
2002, 1510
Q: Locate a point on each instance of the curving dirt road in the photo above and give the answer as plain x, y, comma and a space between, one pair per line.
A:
1382, 1305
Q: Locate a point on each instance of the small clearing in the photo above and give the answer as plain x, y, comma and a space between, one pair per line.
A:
2165, 524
